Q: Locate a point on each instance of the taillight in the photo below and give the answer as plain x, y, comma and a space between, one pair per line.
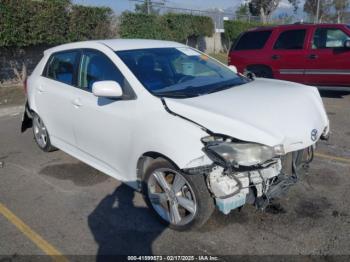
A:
25, 85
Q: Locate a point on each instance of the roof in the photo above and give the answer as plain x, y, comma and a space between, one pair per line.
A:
293, 26
118, 44
129, 44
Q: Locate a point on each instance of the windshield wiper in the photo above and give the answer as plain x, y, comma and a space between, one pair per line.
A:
184, 92
221, 88
173, 95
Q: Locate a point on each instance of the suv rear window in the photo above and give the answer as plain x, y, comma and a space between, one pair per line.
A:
291, 39
252, 40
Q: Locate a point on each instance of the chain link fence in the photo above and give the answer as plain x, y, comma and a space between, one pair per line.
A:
219, 16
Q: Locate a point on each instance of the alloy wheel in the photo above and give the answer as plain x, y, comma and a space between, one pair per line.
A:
40, 132
172, 196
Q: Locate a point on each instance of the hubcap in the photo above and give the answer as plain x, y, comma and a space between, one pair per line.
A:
40, 132
172, 196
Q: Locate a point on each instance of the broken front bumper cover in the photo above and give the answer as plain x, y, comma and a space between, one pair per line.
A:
233, 187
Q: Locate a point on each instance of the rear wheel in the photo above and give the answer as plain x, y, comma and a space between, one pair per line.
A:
179, 200
41, 135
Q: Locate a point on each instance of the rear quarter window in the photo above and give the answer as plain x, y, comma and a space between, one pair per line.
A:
252, 40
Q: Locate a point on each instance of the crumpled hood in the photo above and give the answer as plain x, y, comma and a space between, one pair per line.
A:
269, 112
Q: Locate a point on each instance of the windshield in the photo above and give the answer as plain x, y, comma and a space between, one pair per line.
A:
179, 72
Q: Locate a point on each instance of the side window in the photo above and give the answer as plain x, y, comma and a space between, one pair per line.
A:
95, 66
290, 40
328, 38
252, 40
62, 67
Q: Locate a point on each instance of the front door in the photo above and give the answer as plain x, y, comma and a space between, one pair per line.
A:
103, 126
328, 60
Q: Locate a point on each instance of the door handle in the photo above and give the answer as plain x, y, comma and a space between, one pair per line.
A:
275, 57
313, 56
77, 102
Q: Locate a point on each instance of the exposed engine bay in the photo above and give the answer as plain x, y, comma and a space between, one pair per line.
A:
233, 185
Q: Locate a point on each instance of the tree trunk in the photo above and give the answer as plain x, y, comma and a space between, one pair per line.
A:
339, 17
263, 16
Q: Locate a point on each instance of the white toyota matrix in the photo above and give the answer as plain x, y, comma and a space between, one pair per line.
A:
184, 129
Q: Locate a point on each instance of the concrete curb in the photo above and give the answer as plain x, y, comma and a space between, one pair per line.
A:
11, 110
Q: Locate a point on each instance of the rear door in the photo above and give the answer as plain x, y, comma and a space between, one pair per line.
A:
54, 95
288, 54
328, 61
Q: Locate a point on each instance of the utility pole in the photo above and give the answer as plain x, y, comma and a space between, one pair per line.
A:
150, 3
148, 7
318, 11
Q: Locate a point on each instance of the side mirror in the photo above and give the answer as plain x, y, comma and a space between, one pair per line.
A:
109, 89
233, 68
347, 43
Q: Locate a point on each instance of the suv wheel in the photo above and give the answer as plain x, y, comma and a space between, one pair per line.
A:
260, 71
41, 136
180, 201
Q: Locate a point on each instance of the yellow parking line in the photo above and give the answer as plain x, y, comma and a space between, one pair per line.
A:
335, 158
33, 236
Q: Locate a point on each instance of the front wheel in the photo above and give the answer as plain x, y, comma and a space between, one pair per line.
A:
180, 201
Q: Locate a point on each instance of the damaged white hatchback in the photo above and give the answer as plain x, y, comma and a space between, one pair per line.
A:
170, 121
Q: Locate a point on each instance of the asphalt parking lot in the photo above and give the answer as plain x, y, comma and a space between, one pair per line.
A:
50, 203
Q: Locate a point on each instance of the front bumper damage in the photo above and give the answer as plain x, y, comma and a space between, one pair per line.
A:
233, 187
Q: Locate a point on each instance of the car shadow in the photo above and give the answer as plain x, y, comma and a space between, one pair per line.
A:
121, 228
329, 93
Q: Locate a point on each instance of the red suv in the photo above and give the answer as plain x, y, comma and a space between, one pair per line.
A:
317, 54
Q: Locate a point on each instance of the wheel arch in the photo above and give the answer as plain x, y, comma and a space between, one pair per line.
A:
145, 160
251, 67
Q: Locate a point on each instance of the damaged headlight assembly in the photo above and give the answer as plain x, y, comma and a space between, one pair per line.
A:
228, 152
241, 166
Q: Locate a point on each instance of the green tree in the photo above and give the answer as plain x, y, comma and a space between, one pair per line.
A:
310, 7
27, 22
265, 8
147, 7
51, 22
242, 11
177, 27
87, 22
340, 7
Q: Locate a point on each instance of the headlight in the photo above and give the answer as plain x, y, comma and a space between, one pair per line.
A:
240, 153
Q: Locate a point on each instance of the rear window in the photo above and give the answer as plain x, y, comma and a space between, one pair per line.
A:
291, 40
62, 67
252, 40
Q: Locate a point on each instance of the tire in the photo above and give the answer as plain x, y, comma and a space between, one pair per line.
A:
41, 135
260, 71
193, 194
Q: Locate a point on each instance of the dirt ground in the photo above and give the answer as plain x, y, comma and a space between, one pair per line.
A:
11, 96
